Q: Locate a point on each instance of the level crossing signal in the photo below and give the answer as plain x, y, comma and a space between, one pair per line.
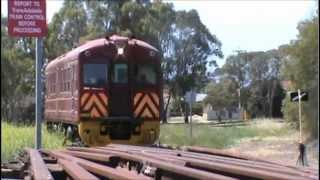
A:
294, 96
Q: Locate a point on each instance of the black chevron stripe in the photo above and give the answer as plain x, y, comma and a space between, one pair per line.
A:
145, 106
94, 105
86, 100
139, 101
100, 99
153, 101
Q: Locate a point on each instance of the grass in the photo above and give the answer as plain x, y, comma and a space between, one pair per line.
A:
220, 137
14, 138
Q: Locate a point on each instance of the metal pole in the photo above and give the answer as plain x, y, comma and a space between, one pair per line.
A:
190, 107
240, 101
39, 88
300, 115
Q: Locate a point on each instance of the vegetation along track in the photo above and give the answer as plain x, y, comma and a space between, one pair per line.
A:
137, 162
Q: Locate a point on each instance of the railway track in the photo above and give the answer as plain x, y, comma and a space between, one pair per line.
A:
217, 124
138, 162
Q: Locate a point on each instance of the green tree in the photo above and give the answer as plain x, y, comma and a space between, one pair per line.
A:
17, 74
66, 28
301, 67
222, 95
194, 47
257, 76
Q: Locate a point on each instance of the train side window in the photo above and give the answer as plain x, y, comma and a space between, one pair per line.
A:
120, 74
48, 87
60, 81
63, 80
95, 75
54, 81
145, 74
68, 78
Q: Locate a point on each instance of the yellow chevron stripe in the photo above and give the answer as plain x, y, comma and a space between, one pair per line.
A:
104, 98
137, 97
146, 100
94, 113
100, 106
140, 106
155, 97
84, 97
90, 102
94, 100
146, 113
152, 106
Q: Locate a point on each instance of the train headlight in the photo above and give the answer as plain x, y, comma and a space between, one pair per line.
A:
120, 51
120, 45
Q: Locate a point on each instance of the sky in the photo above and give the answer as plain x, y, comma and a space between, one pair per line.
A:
240, 25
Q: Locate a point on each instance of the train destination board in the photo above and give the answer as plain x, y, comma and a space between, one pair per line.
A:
27, 18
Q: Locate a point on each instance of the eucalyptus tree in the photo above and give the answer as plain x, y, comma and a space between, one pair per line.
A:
193, 49
301, 68
17, 73
66, 28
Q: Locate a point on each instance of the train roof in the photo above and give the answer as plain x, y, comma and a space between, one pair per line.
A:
98, 43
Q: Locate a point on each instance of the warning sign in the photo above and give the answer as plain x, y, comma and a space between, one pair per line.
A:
27, 18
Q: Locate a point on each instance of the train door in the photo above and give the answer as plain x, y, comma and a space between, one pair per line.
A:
120, 91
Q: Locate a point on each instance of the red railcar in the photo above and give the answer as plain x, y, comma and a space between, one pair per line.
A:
109, 88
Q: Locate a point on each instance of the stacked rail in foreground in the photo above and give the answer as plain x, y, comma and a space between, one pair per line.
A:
136, 162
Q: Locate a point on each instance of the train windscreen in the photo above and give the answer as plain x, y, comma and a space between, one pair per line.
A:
95, 75
146, 74
120, 73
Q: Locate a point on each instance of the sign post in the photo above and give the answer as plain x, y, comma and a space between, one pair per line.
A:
27, 18
190, 97
39, 88
300, 124
294, 97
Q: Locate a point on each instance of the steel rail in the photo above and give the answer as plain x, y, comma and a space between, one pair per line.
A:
245, 162
76, 171
97, 168
89, 156
274, 167
185, 171
38, 167
248, 164
139, 162
254, 169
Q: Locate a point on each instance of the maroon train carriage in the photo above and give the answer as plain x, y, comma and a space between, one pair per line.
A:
109, 90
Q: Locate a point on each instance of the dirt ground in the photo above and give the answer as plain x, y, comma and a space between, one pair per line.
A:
283, 150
